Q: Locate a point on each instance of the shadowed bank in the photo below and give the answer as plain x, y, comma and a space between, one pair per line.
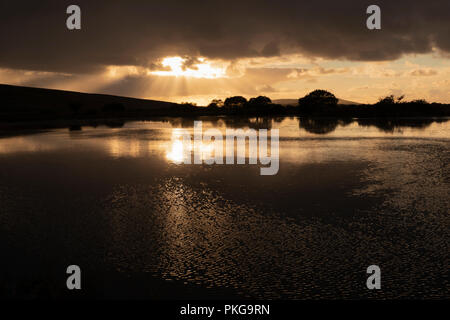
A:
23, 107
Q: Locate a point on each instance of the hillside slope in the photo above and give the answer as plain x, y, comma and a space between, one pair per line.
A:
26, 101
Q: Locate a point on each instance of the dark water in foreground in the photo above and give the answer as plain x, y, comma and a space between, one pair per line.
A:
117, 202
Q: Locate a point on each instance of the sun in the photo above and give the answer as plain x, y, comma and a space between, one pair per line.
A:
202, 69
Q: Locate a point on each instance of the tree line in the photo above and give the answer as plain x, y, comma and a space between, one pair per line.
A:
321, 103
315, 98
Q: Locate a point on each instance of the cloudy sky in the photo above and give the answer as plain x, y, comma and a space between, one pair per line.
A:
200, 50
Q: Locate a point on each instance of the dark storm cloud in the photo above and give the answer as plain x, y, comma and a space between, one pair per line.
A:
33, 34
271, 49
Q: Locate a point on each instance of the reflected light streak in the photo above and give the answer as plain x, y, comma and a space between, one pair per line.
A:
181, 149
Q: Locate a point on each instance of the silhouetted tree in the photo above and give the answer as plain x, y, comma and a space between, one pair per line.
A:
236, 101
317, 98
260, 101
216, 103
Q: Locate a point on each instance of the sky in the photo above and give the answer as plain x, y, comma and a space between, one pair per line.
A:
196, 51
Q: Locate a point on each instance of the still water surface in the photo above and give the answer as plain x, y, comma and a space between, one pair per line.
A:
347, 195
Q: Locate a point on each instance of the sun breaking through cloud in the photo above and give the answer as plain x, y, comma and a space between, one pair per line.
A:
200, 68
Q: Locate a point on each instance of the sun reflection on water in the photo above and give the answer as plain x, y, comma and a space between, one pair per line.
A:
180, 148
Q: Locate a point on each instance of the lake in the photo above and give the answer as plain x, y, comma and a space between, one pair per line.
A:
117, 202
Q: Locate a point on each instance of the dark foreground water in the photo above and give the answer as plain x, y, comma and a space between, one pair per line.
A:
118, 203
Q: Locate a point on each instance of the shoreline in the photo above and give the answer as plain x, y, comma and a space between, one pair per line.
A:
118, 122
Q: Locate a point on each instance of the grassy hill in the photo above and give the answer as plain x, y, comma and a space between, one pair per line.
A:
22, 103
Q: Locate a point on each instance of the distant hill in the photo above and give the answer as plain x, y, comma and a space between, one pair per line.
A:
15, 100
292, 102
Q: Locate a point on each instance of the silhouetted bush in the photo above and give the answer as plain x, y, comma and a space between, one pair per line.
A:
189, 104
391, 99
212, 106
216, 103
419, 101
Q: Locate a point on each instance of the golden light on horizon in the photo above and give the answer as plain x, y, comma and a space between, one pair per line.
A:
201, 69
